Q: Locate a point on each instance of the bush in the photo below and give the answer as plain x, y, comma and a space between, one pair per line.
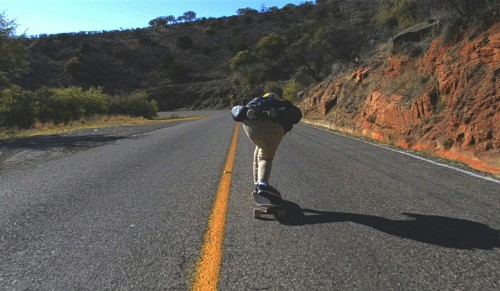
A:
20, 108
177, 72
398, 11
243, 58
273, 87
94, 101
73, 67
184, 42
138, 105
17, 107
64, 104
250, 76
291, 90
134, 104
270, 46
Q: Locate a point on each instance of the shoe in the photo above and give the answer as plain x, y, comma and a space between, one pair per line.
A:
269, 192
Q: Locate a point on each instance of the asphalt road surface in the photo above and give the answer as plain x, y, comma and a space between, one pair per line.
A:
131, 214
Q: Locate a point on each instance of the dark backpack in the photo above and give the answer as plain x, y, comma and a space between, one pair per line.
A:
287, 113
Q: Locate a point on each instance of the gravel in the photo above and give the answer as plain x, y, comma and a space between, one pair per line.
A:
22, 153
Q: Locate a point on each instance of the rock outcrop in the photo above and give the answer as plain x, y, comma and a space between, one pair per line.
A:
444, 103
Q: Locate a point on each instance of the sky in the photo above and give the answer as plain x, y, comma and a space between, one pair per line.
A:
34, 17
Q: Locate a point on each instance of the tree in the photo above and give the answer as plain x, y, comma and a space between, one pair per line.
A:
270, 46
158, 21
162, 21
320, 46
466, 8
188, 16
169, 19
13, 52
326, 8
246, 12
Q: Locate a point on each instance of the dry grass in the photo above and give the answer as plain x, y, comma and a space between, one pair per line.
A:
100, 121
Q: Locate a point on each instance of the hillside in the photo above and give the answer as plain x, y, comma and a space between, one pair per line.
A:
444, 102
188, 64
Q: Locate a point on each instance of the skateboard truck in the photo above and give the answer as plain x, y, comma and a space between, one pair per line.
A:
263, 205
275, 209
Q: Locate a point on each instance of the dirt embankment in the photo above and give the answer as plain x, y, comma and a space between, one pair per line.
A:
444, 102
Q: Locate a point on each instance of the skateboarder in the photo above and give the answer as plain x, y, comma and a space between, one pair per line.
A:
266, 120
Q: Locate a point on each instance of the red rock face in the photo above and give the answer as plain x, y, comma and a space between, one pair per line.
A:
445, 103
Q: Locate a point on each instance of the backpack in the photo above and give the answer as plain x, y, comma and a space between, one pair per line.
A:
287, 113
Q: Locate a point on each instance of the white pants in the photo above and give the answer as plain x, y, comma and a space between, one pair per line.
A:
266, 135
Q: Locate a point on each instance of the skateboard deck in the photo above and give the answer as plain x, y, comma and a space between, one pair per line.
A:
263, 205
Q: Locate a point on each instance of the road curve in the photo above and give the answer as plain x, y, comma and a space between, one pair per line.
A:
131, 215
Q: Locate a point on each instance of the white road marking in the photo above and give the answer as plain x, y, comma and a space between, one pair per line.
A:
470, 173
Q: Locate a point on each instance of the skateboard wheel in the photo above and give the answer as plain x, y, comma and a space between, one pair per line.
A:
256, 213
281, 212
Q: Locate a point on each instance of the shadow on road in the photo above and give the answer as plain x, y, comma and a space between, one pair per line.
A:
51, 141
431, 229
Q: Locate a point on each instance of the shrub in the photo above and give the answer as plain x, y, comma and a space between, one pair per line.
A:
73, 67
397, 11
65, 105
270, 46
249, 76
138, 105
62, 105
206, 50
20, 108
184, 42
14, 59
94, 101
273, 87
43, 95
177, 72
243, 58
133, 104
291, 89
17, 107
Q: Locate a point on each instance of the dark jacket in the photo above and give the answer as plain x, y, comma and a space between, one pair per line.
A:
287, 113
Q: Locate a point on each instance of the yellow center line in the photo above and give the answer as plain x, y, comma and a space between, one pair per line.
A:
208, 266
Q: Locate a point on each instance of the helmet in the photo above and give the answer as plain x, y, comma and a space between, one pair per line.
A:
272, 95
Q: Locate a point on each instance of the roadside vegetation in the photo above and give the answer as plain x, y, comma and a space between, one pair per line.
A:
24, 108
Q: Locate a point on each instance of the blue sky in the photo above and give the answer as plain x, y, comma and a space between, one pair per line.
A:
35, 17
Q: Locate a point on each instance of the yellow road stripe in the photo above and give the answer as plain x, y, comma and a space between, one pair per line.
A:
208, 266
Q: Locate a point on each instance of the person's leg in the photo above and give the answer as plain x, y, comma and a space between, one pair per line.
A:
271, 140
256, 165
252, 129
266, 135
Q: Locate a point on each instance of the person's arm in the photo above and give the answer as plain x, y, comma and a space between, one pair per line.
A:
239, 113
289, 113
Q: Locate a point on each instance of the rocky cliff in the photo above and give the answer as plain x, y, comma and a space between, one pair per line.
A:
442, 100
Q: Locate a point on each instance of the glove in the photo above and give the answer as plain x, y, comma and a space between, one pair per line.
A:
273, 113
252, 113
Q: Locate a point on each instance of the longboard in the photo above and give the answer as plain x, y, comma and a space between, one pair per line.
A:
263, 205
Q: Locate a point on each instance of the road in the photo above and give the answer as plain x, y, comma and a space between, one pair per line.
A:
132, 214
